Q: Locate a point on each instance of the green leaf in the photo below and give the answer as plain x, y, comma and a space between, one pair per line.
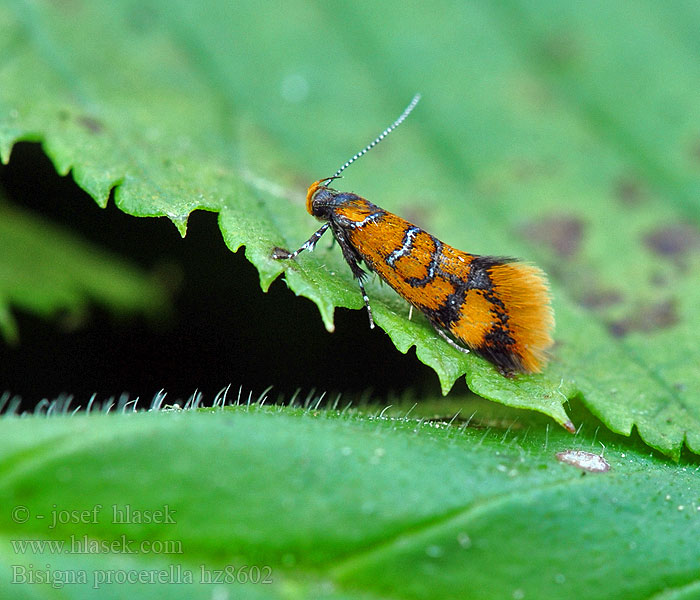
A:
47, 271
562, 134
343, 506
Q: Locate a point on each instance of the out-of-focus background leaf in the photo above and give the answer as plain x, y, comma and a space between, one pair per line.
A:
337, 506
46, 270
565, 134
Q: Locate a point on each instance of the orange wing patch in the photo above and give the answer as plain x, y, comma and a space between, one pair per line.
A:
475, 320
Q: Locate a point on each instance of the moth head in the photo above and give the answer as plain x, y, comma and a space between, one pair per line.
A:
319, 196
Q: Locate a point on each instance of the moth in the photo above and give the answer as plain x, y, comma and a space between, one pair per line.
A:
498, 307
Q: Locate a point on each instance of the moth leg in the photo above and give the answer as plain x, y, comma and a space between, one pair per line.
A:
280, 253
448, 339
366, 299
351, 257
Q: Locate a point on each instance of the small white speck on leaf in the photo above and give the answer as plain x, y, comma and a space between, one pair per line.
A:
586, 461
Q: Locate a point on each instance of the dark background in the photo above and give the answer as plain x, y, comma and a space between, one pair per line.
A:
223, 330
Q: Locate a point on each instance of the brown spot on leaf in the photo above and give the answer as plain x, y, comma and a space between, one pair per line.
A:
91, 124
599, 298
416, 214
695, 151
646, 318
629, 191
526, 168
659, 279
587, 288
561, 48
673, 240
563, 234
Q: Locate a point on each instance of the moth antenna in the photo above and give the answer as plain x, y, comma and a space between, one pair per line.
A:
380, 137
